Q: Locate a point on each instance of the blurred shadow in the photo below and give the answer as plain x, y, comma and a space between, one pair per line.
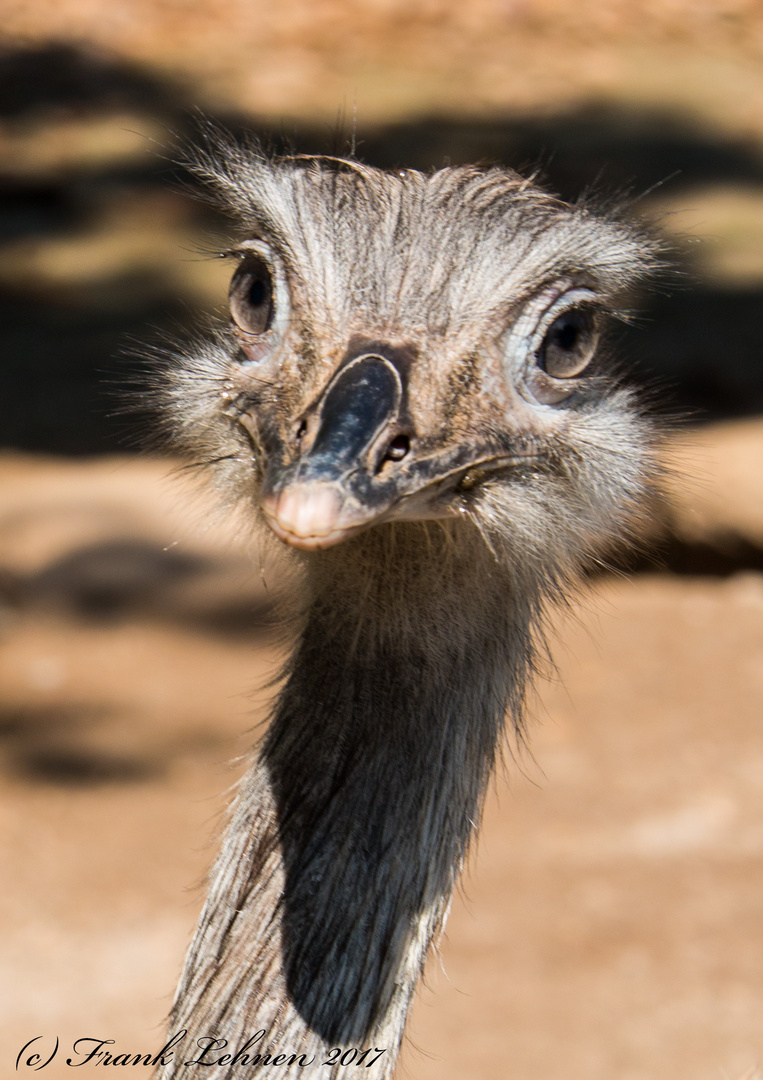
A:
129, 578
59, 341
43, 746
718, 557
619, 151
83, 768
66, 76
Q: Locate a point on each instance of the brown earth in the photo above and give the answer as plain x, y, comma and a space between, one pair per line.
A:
609, 924
396, 58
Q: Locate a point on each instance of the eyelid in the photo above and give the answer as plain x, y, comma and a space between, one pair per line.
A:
258, 247
572, 298
530, 326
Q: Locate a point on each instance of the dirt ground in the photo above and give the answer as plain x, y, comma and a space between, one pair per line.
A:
397, 58
609, 924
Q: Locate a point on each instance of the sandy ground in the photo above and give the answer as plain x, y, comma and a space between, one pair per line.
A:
398, 58
609, 924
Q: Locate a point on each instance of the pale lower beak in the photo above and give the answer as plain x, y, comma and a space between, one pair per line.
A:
308, 515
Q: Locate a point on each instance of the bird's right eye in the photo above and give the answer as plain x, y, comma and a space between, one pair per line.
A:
250, 297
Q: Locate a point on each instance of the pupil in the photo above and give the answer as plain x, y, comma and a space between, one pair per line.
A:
566, 336
259, 293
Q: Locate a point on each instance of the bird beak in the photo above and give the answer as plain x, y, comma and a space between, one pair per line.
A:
334, 487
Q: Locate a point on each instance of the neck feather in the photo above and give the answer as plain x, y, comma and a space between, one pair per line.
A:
351, 827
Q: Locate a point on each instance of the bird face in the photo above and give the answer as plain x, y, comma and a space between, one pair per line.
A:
408, 347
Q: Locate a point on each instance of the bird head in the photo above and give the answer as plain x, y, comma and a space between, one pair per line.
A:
404, 347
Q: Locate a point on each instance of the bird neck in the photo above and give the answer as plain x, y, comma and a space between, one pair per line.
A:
353, 823
383, 741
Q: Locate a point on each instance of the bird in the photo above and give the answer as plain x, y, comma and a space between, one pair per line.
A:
415, 389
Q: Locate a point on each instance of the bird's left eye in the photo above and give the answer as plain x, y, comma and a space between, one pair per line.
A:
569, 343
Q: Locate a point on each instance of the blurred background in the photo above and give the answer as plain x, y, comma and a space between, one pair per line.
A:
610, 923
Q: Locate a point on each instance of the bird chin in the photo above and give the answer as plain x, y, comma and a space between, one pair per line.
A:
312, 543
314, 516
311, 520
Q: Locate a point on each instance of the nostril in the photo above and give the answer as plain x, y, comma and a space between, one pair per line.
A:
301, 430
398, 448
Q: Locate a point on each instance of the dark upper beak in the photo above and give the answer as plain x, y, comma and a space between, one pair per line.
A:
334, 487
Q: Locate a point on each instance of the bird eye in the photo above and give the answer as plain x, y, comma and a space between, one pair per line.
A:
250, 297
569, 343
